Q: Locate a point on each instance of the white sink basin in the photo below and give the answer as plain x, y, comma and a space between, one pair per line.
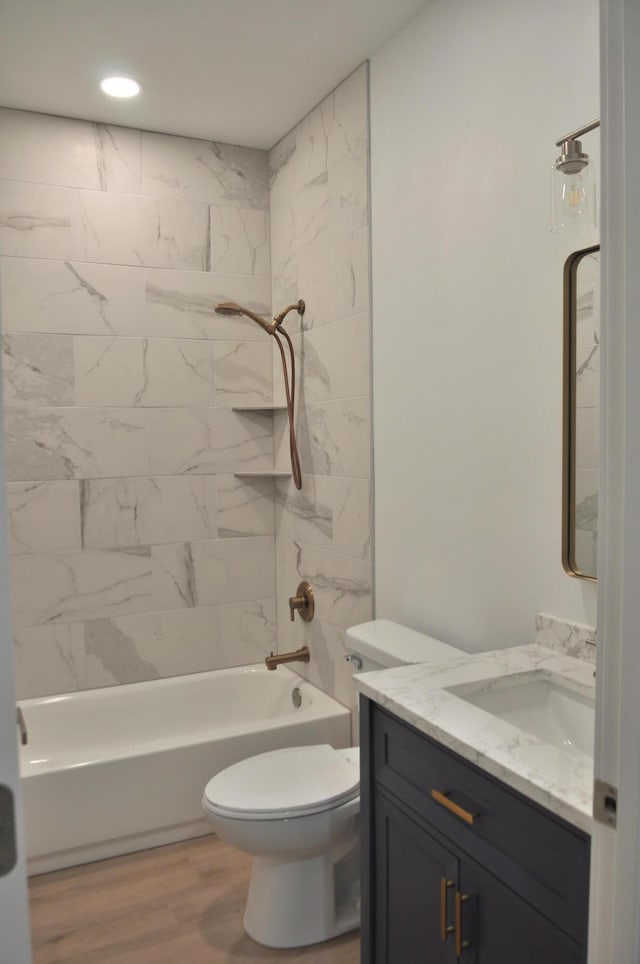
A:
540, 703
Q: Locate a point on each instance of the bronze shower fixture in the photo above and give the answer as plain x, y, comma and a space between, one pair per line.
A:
274, 328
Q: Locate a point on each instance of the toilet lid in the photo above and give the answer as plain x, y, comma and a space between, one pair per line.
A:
301, 779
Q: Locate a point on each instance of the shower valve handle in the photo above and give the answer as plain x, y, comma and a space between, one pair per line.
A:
303, 601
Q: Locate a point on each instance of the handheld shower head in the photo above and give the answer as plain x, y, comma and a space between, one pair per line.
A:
231, 308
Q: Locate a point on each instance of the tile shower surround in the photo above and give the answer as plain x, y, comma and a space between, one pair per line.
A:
320, 252
136, 553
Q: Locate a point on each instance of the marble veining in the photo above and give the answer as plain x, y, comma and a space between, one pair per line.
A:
145, 372
239, 241
243, 373
342, 584
197, 170
43, 516
244, 508
212, 572
141, 512
47, 221
174, 576
65, 296
564, 636
37, 370
73, 443
336, 437
560, 781
67, 152
72, 586
208, 440
116, 652
182, 304
49, 659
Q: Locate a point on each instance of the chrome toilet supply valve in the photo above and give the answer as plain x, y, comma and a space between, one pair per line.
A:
303, 601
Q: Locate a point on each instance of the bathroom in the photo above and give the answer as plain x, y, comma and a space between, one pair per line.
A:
407, 202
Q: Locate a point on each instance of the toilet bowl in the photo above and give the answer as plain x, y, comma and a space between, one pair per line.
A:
296, 811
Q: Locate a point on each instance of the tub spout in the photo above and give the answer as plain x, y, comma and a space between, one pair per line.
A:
22, 726
301, 655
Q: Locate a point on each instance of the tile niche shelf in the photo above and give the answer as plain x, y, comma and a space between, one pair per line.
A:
266, 410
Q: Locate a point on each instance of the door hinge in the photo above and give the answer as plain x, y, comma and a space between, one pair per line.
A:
7, 831
605, 803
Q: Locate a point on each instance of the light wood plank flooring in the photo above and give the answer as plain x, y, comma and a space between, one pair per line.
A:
180, 904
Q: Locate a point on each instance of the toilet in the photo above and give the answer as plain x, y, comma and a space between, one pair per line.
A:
296, 811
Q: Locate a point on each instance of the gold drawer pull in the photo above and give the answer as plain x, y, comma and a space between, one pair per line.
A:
460, 944
444, 927
444, 801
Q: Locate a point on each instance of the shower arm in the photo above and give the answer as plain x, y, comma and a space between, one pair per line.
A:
299, 306
574, 135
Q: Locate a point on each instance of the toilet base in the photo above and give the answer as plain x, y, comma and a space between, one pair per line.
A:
292, 903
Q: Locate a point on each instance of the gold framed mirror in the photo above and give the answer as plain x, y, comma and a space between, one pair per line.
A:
581, 416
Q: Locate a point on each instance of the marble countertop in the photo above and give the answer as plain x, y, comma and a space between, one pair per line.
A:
560, 780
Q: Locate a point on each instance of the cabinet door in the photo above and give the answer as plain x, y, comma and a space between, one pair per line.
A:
411, 904
501, 927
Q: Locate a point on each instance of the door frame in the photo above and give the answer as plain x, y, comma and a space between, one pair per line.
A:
15, 943
615, 883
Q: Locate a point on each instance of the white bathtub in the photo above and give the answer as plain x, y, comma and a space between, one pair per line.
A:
114, 770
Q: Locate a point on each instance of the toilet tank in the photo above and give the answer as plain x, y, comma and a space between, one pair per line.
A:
381, 644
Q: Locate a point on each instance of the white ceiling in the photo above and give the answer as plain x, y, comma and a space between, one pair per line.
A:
240, 71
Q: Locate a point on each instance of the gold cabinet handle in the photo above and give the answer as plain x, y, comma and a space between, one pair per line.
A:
444, 927
460, 944
444, 800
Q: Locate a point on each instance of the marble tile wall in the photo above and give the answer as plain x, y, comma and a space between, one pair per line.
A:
320, 252
136, 552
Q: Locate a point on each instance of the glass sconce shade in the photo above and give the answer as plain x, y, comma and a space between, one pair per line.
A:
573, 201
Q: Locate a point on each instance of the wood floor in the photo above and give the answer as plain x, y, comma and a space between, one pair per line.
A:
180, 904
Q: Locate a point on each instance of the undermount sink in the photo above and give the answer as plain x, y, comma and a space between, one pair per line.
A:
542, 704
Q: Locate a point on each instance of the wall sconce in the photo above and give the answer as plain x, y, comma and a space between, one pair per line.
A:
573, 192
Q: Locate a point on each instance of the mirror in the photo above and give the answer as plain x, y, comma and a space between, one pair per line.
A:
581, 412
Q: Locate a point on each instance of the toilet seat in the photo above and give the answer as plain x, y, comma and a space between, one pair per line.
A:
281, 784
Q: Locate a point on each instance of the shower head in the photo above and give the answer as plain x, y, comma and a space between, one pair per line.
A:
231, 308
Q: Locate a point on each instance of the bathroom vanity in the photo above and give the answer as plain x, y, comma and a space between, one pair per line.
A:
475, 830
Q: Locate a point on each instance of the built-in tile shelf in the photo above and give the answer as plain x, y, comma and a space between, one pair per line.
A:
262, 475
260, 409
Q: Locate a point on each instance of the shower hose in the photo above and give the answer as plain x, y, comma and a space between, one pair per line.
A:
290, 392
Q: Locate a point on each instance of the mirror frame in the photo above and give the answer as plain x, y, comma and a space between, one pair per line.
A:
569, 414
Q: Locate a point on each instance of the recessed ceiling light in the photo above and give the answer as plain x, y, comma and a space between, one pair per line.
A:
120, 86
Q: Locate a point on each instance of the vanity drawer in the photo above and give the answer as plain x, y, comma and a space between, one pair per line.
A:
538, 855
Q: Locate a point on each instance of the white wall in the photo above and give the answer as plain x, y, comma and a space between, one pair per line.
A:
466, 104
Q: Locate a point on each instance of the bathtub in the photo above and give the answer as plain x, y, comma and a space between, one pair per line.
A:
120, 769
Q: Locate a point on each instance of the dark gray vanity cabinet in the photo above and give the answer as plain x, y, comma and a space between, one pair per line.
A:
475, 873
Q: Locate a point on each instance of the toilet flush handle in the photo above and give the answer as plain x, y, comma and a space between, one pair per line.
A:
355, 660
